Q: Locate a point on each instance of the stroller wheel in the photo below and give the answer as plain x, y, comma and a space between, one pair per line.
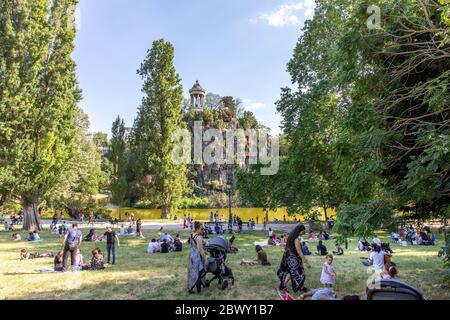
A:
224, 284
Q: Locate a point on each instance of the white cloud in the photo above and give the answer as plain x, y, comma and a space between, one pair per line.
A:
289, 13
255, 106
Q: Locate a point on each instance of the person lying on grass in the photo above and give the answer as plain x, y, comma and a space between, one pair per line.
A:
97, 261
325, 294
25, 255
261, 258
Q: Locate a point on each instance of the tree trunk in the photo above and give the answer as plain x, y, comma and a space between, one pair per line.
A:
325, 213
165, 211
31, 218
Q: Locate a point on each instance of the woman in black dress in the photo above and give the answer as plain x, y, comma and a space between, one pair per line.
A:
291, 267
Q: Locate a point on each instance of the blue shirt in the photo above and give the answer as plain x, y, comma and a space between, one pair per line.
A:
73, 236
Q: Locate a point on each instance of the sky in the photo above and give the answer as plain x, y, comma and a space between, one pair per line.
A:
233, 47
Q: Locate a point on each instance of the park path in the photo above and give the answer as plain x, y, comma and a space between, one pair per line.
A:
168, 226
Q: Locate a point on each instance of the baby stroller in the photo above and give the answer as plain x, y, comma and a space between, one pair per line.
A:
217, 249
391, 289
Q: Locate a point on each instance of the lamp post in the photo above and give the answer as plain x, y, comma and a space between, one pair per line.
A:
230, 218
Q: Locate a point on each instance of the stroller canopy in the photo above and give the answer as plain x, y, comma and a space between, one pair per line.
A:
219, 243
391, 289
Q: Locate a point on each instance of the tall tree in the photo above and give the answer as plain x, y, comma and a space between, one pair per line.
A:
159, 116
38, 99
118, 158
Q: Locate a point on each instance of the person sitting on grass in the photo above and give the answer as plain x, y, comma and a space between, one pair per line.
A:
177, 244
92, 236
153, 247
168, 238
58, 265
261, 258
165, 247
321, 249
16, 237
97, 261
25, 255
217, 229
34, 236
122, 231
376, 258
328, 275
326, 236
310, 235
60, 231
339, 250
305, 249
130, 230
53, 226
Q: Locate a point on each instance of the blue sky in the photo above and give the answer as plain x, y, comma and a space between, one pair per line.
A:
234, 47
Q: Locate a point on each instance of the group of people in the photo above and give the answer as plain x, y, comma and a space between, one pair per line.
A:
165, 244
292, 269
129, 231
410, 236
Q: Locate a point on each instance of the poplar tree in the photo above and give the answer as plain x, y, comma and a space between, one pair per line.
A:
38, 99
159, 116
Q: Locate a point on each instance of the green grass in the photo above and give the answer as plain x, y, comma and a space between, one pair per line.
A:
141, 276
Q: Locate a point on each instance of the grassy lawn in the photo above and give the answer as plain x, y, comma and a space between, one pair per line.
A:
138, 275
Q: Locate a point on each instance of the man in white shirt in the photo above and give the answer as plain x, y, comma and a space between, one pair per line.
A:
153, 247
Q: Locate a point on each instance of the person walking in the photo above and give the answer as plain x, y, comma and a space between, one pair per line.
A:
70, 244
293, 261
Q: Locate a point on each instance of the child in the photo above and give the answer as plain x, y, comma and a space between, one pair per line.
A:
79, 260
122, 230
390, 271
328, 274
58, 262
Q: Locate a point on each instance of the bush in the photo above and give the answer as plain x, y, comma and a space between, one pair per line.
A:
145, 204
195, 203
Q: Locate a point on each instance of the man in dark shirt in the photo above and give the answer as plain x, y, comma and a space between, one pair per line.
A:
111, 239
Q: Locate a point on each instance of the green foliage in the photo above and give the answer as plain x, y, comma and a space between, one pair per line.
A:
159, 116
368, 126
38, 99
118, 157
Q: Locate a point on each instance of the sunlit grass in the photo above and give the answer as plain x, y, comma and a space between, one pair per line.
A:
141, 276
